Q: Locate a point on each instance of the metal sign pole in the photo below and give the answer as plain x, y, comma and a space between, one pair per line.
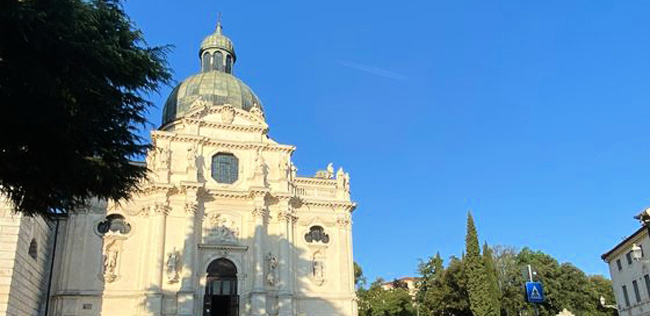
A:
530, 279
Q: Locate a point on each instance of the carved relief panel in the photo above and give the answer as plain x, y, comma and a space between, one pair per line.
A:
221, 228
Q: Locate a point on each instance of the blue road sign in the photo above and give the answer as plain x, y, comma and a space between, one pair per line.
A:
534, 292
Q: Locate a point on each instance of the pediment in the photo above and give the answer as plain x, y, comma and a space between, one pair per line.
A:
227, 115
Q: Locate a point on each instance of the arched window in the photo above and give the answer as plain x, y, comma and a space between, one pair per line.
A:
317, 233
33, 249
205, 62
225, 168
228, 64
114, 223
217, 61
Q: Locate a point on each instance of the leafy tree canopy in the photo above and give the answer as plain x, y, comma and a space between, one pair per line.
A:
376, 301
565, 285
74, 76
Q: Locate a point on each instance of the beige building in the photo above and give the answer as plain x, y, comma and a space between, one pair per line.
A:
409, 282
223, 226
629, 267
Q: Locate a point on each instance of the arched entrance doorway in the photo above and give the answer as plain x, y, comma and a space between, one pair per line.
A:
221, 297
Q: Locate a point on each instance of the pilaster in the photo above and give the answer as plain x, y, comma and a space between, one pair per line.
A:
285, 295
185, 297
260, 214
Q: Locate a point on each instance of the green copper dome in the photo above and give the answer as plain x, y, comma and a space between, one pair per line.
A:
214, 87
215, 84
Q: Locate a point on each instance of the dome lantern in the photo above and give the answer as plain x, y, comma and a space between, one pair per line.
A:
217, 51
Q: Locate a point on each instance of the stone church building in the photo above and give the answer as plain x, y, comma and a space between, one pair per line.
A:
224, 226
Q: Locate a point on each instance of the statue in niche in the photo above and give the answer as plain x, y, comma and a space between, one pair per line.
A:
285, 169
318, 268
151, 158
164, 154
272, 263
191, 156
260, 164
172, 266
110, 261
261, 167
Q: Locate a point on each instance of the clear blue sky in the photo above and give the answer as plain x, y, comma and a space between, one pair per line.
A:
534, 114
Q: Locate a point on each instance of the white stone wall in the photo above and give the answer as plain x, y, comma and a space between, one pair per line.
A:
23, 278
629, 273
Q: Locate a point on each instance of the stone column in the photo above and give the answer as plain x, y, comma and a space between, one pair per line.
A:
157, 246
258, 295
286, 262
185, 297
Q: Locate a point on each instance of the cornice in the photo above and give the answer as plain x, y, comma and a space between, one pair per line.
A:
347, 206
315, 181
231, 127
162, 135
188, 185
223, 247
220, 193
157, 187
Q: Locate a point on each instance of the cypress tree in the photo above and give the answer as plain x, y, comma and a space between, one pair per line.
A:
491, 272
480, 299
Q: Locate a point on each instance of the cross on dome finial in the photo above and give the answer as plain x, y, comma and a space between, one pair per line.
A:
219, 27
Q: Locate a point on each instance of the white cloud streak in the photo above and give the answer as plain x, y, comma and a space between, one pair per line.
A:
373, 70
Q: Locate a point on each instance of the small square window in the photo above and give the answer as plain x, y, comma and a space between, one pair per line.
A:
87, 307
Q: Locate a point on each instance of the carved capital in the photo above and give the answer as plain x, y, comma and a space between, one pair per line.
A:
191, 207
344, 221
259, 212
287, 216
159, 209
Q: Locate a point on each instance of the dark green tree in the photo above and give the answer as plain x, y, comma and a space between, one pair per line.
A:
491, 276
481, 302
430, 272
359, 279
453, 292
74, 81
376, 301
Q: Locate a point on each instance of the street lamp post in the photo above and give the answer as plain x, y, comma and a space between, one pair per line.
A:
603, 304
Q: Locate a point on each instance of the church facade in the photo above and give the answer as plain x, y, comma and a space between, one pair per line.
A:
223, 225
